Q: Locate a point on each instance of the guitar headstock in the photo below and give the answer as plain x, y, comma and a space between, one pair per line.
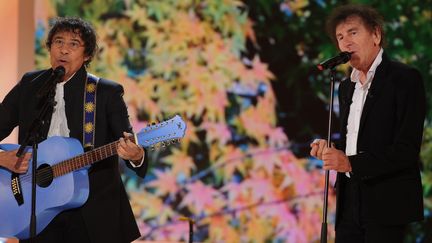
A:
164, 132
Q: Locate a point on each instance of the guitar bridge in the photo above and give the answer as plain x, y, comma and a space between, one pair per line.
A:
16, 188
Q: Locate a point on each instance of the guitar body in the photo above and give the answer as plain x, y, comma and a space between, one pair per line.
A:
65, 192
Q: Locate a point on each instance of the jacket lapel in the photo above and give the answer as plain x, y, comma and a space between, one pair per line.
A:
347, 100
375, 90
74, 99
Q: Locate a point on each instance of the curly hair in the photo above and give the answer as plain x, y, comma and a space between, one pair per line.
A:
370, 17
78, 26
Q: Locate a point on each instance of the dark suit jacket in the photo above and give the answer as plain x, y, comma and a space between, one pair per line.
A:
386, 166
107, 212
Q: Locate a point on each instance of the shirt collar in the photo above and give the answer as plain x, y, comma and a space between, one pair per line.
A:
355, 74
77, 79
70, 77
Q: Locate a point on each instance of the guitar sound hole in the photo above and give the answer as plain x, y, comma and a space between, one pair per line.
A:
44, 175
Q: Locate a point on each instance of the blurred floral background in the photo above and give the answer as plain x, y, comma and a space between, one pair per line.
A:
242, 74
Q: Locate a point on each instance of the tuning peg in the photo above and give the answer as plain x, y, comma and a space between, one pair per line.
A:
157, 147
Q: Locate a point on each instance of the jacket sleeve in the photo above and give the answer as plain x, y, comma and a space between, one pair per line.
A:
9, 110
118, 120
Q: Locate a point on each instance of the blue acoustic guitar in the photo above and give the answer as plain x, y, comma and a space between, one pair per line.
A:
62, 177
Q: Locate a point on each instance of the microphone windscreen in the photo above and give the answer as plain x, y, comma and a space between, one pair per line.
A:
59, 71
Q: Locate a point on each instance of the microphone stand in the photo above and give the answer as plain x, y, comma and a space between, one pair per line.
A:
327, 172
191, 230
32, 138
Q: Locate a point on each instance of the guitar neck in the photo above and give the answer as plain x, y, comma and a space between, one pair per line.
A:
159, 133
86, 159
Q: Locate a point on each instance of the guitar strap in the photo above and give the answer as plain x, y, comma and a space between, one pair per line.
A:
89, 127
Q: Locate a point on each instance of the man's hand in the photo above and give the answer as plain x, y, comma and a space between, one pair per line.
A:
9, 160
128, 150
332, 158
317, 148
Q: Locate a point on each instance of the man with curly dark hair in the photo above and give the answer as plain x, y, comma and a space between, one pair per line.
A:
106, 216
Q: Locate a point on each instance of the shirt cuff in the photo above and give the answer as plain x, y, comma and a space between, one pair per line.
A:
136, 166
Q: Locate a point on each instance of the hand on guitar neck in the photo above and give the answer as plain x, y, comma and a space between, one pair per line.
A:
128, 150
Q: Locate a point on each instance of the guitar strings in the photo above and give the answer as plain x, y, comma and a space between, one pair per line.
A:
43, 174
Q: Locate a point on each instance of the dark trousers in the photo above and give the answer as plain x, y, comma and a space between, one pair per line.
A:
351, 226
67, 227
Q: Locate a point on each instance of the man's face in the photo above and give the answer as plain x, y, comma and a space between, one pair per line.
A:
67, 50
353, 36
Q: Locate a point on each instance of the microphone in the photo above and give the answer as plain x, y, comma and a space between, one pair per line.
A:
341, 58
55, 78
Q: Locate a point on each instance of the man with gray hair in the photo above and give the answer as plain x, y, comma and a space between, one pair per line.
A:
382, 111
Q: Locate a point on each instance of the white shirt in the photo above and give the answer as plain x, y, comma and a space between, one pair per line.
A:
356, 108
58, 125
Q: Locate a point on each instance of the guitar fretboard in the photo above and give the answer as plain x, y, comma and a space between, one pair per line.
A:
85, 159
